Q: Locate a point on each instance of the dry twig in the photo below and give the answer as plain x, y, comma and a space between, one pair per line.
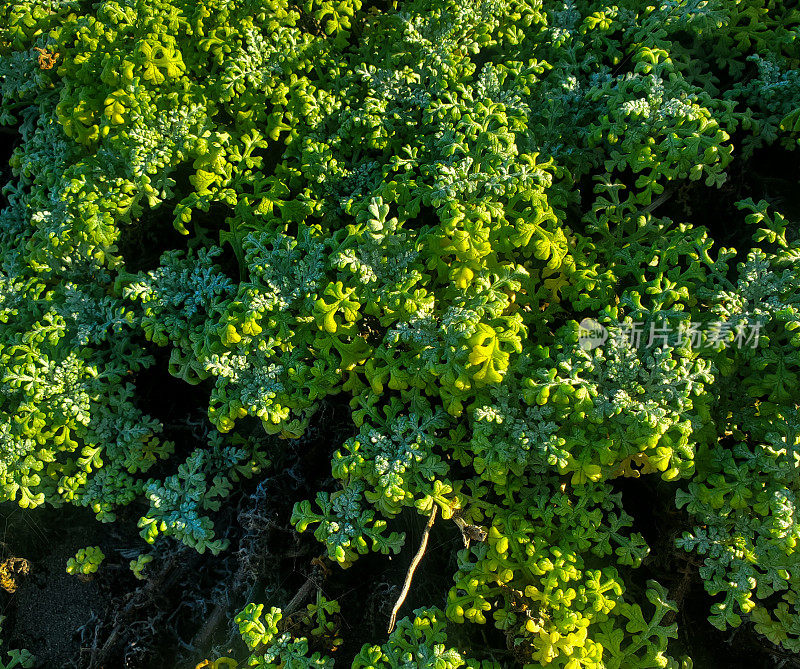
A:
420, 552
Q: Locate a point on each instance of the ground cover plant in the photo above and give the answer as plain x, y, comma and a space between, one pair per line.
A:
484, 310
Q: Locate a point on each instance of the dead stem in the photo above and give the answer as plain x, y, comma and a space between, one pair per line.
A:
422, 544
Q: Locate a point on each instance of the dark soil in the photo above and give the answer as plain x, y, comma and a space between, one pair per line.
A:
50, 605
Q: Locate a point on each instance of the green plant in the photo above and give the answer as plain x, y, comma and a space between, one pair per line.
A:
139, 565
269, 647
17, 659
86, 561
416, 210
421, 642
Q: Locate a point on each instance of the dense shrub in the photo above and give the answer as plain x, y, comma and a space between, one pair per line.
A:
418, 206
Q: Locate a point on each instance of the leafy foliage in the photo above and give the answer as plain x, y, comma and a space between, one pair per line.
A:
415, 209
86, 561
17, 659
